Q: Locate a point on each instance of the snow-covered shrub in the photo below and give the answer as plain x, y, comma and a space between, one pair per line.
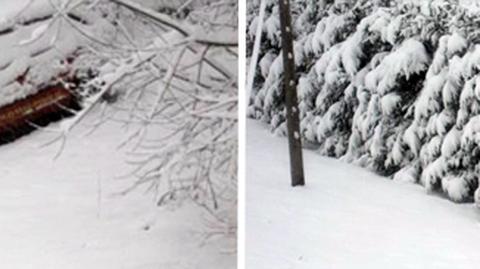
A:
390, 85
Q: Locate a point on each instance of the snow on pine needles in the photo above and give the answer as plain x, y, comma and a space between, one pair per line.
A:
392, 86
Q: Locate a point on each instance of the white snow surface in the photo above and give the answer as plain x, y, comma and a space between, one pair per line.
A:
67, 213
347, 217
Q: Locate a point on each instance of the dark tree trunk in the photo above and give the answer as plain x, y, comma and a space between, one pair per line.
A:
293, 121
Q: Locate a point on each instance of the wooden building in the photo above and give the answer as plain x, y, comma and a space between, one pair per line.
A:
35, 65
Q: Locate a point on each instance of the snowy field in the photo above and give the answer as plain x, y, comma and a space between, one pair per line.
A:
67, 213
347, 217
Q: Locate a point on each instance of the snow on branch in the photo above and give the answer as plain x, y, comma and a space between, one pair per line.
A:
163, 19
393, 86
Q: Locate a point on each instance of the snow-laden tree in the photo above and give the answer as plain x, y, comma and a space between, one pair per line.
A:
389, 85
167, 70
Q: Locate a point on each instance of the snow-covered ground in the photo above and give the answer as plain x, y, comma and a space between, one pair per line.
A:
347, 217
67, 213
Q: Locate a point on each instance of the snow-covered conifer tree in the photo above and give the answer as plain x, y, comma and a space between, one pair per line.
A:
389, 85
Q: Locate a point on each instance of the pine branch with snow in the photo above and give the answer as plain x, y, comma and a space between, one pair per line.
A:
388, 85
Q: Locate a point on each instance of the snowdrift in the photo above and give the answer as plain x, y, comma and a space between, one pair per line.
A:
394, 87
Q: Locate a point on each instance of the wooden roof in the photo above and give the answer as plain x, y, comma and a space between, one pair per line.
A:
32, 45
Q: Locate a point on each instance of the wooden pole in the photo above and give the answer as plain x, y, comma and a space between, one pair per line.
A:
293, 121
